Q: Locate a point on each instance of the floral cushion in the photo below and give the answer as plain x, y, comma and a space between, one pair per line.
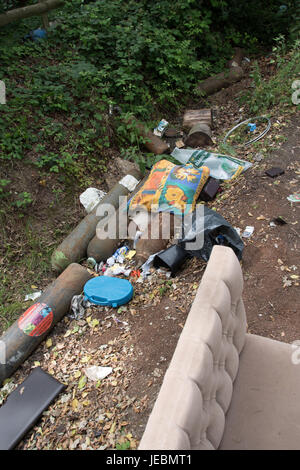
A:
171, 188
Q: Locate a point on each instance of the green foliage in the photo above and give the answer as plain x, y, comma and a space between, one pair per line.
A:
24, 200
4, 192
141, 56
123, 446
278, 89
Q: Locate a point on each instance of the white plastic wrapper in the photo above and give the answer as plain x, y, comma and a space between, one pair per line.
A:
90, 198
116, 270
97, 372
248, 231
33, 296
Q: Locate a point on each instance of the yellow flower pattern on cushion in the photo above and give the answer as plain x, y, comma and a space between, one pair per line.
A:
171, 188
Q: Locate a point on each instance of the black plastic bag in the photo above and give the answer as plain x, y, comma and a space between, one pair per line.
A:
215, 231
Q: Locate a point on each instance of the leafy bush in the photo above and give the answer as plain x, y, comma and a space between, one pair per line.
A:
146, 57
278, 89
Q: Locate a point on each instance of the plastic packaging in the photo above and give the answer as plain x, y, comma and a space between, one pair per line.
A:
215, 231
222, 167
97, 372
248, 231
294, 197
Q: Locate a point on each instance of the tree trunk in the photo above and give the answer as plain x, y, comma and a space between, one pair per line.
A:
45, 18
31, 10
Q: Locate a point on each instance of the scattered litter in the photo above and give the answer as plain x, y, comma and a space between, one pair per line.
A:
90, 198
37, 34
262, 134
110, 261
168, 274
78, 306
251, 126
33, 296
116, 270
160, 129
248, 231
145, 268
294, 197
119, 254
96, 373
278, 221
91, 262
99, 268
287, 282
135, 273
179, 144
117, 321
130, 254
274, 171
222, 167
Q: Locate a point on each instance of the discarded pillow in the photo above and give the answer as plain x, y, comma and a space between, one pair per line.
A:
171, 188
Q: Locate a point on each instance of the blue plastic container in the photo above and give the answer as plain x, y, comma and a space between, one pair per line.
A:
110, 291
251, 126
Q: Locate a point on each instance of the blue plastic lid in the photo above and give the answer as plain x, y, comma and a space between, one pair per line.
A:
105, 290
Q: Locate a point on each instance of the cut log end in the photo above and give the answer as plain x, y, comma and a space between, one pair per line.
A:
199, 136
197, 116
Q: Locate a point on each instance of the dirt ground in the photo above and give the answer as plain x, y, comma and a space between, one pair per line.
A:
271, 256
138, 341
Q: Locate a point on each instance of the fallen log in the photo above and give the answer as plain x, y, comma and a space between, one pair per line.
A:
197, 116
31, 10
221, 80
199, 136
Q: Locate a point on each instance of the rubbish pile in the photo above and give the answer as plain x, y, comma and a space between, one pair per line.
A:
139, 227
